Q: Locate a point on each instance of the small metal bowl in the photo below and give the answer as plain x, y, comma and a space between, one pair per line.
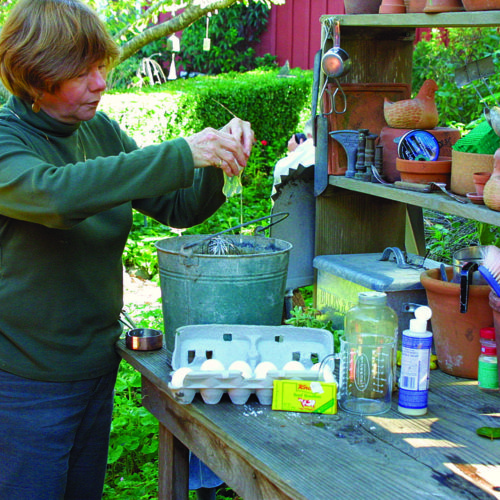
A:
144, 339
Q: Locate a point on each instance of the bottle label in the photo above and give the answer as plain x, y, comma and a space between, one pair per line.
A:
487, 377
415, 363
413, 399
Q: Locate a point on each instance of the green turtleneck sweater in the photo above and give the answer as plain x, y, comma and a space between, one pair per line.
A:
66, 199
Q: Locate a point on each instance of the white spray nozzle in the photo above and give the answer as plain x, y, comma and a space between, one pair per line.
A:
422, 315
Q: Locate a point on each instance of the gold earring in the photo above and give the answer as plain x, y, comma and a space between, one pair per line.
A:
35, 106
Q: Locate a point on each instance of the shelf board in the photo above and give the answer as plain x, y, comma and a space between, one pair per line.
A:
443, 19
432, 201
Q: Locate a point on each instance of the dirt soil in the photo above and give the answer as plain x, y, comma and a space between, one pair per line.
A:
139, 291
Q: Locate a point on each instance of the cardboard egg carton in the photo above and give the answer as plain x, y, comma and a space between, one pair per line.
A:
251, 344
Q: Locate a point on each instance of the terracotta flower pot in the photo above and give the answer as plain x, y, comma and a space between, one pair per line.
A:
423, 172
480, 179
443, 6
362, 6
392, 7
417, 6
481, 4
456, 334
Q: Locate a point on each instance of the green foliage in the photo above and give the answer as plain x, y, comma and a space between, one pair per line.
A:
435, 60
132, 460
312, 318
233, 32
445, 234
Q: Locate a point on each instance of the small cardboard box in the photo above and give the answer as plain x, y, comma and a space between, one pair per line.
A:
305, 396
341, 277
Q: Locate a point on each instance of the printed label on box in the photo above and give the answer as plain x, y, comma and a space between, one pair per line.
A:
305, 396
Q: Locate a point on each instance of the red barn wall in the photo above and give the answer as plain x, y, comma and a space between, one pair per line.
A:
294, 31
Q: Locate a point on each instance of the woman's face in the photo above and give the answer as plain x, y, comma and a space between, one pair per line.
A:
78, 98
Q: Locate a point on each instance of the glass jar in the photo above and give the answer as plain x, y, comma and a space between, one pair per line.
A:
371, 317
487, 378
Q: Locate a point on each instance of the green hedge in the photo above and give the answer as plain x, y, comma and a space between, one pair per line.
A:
273, 104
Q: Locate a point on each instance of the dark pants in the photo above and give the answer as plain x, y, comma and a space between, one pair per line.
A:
54, 437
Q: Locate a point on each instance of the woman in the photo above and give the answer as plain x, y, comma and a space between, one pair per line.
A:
69, 178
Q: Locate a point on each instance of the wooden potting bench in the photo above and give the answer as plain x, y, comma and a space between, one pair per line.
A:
354, 216
272, 455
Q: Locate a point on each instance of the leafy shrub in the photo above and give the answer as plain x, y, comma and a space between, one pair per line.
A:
435, 59
273, 105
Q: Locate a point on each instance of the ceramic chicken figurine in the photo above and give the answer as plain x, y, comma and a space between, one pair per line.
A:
417, 113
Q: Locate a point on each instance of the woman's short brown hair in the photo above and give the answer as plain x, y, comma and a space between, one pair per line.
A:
46, 42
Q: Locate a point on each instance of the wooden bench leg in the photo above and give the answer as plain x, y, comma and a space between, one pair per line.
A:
173, 467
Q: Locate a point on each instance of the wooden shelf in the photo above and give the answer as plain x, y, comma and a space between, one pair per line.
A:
442, 19
432, 201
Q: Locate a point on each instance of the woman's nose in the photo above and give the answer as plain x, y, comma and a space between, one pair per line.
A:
97, 81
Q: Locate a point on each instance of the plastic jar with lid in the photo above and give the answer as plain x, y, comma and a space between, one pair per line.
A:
371, 317
487, 378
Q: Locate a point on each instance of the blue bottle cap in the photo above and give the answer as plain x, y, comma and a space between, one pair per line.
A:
418, 145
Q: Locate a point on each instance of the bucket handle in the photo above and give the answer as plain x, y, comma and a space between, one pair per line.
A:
259, 229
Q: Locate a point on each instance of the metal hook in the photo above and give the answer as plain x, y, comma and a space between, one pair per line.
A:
334, 107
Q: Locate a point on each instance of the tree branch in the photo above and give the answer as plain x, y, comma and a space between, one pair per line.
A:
191, 13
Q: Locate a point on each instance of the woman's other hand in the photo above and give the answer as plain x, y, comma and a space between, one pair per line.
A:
228, 148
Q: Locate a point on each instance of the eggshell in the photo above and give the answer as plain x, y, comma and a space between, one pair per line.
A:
212, 365
263, 367
178, 377
294, 365
243, 367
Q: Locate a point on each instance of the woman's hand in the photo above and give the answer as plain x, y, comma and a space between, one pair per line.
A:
228, 148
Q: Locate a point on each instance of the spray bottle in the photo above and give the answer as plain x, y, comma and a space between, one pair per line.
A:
415, 365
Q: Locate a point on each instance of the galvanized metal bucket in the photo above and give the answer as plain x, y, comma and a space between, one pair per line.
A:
243, 289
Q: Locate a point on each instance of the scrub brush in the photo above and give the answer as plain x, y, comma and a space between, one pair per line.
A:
490, 268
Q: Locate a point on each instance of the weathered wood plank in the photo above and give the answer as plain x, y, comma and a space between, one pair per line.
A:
420, 20
265, 454
352, 223
173, 467
432, 201
213, 446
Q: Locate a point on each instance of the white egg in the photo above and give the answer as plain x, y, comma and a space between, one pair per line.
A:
212, 365
294, 365
243, 367
315, 367
178, 377
263, 367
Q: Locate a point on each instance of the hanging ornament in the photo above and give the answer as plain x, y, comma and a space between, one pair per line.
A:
174, 45
206, 40
172, 74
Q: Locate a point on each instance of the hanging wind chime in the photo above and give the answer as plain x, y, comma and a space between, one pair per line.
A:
173, 44
206, 40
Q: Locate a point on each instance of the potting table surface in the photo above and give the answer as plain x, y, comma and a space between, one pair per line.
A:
271, 455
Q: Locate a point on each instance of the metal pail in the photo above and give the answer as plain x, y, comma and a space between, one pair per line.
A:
243, 289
